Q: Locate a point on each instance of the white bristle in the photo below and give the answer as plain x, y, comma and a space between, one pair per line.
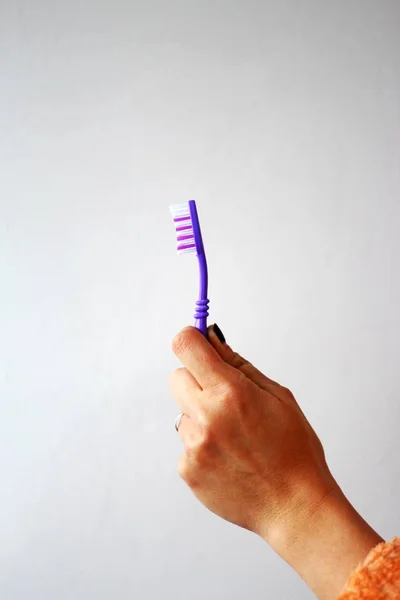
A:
180, 211
187, 250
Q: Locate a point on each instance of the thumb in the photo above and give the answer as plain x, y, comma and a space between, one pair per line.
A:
217, 340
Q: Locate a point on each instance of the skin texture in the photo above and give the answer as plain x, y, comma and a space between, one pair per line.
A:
251, 457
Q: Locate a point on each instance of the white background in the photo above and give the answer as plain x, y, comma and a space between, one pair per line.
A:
282, 119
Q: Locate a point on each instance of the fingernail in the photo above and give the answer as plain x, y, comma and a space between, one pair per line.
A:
219, 334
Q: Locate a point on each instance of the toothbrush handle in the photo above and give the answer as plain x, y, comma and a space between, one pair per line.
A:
201, 312
200, 316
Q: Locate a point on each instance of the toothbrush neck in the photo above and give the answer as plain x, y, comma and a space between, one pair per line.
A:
203, 270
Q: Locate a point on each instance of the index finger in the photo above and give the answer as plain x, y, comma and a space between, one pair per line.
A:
199, 357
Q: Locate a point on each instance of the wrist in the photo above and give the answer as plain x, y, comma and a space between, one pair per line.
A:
323, 539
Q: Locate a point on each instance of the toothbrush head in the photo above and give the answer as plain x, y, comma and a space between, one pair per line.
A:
187, 227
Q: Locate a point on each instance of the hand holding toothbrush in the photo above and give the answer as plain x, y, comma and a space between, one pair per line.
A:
251, 457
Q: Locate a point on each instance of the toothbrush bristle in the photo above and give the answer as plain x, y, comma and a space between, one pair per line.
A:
184, 228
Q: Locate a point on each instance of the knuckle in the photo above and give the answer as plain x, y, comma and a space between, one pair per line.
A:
234, 399
183, 469
201, 455
204, 418
228, 395
172, 379
206, 439
186, 472
228, 391
211, 429
287, 393
202, 446
176, 378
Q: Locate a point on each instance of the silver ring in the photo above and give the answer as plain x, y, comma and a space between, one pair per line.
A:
178, 421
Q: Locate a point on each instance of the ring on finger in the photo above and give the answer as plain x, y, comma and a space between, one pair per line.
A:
178, 421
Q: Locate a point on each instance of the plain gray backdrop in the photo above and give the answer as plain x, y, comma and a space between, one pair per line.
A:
282, 119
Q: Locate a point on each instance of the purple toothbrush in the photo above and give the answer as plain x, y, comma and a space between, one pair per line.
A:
188, 237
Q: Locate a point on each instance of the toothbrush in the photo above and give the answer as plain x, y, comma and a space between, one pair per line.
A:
188, 237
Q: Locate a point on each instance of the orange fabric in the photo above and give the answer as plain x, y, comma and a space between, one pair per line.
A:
379, 577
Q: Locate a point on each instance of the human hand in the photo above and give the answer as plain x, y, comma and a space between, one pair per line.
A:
252, 458
250, 455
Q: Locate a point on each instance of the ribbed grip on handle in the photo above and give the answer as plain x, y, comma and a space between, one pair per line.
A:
201, 315
201, 309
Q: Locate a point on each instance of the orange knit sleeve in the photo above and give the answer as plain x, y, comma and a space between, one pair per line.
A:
379, 577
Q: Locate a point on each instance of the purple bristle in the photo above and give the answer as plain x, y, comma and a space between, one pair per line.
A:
179, 219
186, 246
180, 238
